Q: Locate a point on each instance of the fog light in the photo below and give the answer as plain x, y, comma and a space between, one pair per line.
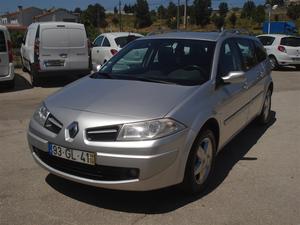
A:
134, 173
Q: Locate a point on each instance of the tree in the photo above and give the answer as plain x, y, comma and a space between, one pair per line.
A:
260, 14
202, 11
96, 15
162, 12
293, 11
116, 10
77, 10
232, 19
223, 9
248, 10
142, 14
275, 2
218, 21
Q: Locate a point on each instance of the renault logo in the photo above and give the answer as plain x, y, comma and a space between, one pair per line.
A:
71, 131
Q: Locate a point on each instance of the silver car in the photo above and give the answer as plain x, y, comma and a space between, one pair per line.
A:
156, 114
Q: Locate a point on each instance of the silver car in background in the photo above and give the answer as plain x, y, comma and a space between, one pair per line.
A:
156, 114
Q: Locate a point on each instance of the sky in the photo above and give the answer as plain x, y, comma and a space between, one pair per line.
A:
11, 5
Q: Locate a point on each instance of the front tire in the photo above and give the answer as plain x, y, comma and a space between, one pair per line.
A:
265, 115
200, 163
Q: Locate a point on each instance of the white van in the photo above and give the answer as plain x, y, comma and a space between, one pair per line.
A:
6, 58
53, 47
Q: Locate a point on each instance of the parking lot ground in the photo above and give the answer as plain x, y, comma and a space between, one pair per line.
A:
256, 181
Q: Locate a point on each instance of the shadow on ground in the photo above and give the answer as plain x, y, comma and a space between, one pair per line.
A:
287, 68
168, 199
20, 84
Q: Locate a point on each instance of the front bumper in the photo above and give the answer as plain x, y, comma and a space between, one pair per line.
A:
11, 74
160, 163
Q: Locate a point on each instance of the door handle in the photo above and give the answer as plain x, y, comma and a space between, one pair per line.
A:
63, 55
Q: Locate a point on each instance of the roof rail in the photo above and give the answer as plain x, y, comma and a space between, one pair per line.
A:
235, 31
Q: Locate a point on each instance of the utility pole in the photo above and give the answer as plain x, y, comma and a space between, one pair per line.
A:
120, 16
185, 15
178, 4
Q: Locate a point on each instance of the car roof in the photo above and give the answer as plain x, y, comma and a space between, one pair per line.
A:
275, 35
50, 23
206, 36
121, 34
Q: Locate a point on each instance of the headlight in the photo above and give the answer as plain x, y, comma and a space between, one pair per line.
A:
41, 115
147, 130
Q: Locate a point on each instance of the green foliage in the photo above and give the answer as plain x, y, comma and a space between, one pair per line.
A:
275, 2
16, 38
128, 8
95, 14
171, 10
223, 9
202, 11
142, 14
248, 10
233, 19
162, 12
218, 21
260, 14
293, 11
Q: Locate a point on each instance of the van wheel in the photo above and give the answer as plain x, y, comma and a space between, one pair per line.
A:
265, 115
10, 84
200, 163
34, 76
297, 67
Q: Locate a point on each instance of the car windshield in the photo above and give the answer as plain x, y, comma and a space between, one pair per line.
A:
183, 62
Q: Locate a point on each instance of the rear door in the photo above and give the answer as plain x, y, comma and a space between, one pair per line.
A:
292, 47
4, 61
54, 47
96, 50
78, 48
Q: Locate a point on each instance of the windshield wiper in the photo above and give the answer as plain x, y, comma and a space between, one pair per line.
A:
99, 74
153, 80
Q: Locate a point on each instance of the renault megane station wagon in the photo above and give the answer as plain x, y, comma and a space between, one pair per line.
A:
156, 114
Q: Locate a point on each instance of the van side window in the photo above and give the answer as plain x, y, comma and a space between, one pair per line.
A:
2, 42
98, 41
105, 43
247, 52
260, 52
228, 60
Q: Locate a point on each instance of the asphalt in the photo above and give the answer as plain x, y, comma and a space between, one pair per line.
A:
257, 178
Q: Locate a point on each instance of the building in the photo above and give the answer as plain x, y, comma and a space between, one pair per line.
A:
22, 17
57, 15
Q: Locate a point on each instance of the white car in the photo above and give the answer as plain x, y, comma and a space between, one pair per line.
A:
283, 50
107, 45
6, 58
53, 48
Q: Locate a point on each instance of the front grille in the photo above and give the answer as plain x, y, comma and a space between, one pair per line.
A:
53, 124
109, 133
96, 172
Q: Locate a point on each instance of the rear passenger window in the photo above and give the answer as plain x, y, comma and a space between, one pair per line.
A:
55, 38
247, 52
266, 40
260, 52
98, 41
106, 43
2, 42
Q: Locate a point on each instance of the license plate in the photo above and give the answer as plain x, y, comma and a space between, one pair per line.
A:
72, 154
55, 63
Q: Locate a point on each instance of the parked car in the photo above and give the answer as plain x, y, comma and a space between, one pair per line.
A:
156, 114
7, 74
283, 50
107, 45
52, 47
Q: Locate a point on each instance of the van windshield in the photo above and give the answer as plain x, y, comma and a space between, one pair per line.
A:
62, 38
177, 61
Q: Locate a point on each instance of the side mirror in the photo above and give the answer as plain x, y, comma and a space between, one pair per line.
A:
234, 77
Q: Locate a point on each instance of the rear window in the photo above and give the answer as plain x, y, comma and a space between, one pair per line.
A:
122, 41
266, 40
62, 38
290, 41
2, 42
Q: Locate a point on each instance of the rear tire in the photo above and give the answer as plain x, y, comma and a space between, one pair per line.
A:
200, 164
10, 84
34, 76
265, 115
297, 67
274, 62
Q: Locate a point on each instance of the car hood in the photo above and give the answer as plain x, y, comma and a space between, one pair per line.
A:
127, 98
